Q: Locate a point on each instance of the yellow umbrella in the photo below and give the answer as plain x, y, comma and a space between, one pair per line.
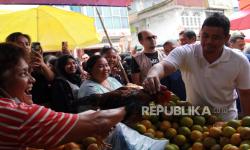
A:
4, 11
50, 26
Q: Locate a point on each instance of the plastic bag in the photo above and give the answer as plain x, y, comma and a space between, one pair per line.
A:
125, 138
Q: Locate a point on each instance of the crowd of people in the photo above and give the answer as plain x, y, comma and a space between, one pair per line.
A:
41, 96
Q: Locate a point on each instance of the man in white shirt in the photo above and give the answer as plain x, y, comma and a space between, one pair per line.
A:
210, 70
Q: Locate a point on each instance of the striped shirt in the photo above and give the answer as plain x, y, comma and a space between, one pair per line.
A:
22, 125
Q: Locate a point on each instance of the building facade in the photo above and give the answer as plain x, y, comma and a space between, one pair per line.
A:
116, 22
166, 18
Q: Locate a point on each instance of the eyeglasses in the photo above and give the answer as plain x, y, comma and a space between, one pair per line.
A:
151, 37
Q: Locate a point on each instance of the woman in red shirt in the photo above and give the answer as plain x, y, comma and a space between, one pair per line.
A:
26, 124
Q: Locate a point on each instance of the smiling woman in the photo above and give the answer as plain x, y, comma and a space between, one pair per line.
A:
66, 85
18, 71
26, 124
100, 81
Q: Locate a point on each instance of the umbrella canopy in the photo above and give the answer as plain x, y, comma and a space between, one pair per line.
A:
121, 3
240, 20
50, 26
244, 4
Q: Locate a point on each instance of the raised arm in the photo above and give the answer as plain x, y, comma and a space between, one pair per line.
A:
93, 123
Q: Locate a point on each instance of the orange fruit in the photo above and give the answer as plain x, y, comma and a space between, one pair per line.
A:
184, 131
175, 125
235, 139
72, 145
228, 131
197, 146
180, 139
141, 128
146, 123
165, 125
245, 121
88, 140
216, 147
186, 121
209, 142
224, 141
93, 146
171, 147
196, 135
215, 132
151, 130
199, 120
205, 134
234, 123
170, 133
245, 133
244, 146
230, 147
159, 134
197, 127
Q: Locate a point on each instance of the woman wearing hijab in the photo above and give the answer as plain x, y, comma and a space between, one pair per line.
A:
66, 85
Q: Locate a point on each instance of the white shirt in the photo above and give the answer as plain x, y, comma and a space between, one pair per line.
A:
212, 84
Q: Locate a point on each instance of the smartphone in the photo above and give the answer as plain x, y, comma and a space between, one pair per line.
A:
36, 46
64, 45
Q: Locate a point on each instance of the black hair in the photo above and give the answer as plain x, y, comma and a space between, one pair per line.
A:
139, 35
60, 69
190, 34
14, 36
218, 20
27, 37
166, 43
182, 32
105, 49
91, 62
10, 54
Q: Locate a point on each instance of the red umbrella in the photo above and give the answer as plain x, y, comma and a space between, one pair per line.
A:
244, 4
240, 20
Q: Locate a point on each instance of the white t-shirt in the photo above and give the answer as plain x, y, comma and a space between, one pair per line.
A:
213, 84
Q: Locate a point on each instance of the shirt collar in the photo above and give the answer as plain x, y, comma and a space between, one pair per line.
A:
225, 56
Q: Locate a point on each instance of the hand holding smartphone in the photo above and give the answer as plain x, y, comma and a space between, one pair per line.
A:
36, 47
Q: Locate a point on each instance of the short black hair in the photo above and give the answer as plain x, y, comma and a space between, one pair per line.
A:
10, 54
105, 49
190, 34
14, 36
139, 35
218, 20
182, 32
91, 62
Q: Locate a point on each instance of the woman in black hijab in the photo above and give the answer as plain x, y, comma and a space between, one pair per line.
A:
67, 68
66, 85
